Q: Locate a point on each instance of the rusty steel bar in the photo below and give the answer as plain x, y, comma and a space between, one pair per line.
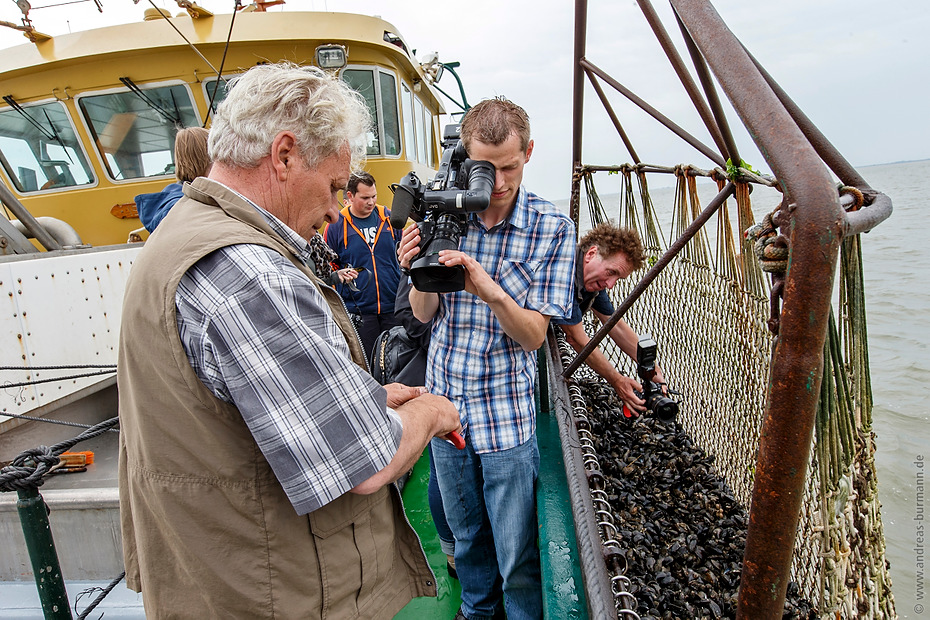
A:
711, 92
677, 130
613, 116
651, 275
652, 18
868, 218
581, 34
832, 157
815, 232
878, 205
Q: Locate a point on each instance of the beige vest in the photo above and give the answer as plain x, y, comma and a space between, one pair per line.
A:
207, 529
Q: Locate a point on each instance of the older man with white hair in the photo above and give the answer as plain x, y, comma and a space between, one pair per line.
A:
256, 452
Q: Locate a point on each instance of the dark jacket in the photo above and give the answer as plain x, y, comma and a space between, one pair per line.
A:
378, 283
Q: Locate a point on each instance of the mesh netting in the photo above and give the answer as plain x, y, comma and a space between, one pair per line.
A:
708, 311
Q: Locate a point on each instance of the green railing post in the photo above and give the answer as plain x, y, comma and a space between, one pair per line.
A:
33, 516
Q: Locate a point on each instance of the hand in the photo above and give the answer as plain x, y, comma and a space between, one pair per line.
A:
625, 386
398, 394
659, 378
477, 280
447, 418
408, 247
443, 417
347, 275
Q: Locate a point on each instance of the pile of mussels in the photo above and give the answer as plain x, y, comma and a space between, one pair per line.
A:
680, 528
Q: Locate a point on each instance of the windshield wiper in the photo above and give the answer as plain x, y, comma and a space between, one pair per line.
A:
52, 135
138, 92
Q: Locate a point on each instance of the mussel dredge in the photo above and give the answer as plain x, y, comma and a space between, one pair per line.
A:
758, 501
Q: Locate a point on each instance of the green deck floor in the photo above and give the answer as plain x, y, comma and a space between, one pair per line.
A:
563, 591
444, 606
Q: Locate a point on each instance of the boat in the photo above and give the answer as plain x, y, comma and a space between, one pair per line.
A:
88, 119
88, 122
818, 553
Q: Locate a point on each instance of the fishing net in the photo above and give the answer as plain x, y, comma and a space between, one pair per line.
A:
708, 311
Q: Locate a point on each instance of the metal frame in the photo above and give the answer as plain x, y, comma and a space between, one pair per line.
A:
815, 225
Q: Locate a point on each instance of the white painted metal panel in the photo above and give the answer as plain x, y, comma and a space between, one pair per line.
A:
58, 309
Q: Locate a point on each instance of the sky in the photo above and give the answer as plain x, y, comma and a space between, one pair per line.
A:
858, 69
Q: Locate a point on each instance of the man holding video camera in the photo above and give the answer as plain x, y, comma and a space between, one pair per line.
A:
606, 255
518, 261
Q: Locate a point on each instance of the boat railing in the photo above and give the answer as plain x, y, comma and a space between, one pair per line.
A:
809, 227
24, 475
29, 222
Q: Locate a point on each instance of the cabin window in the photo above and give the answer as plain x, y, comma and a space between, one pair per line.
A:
381, 96
391, 120
430, 137
40, 149
134, 130
209, 86
419, 133
419, 117
409, 133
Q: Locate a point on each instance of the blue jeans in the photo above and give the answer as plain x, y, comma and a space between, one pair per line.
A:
490, 504
434, 497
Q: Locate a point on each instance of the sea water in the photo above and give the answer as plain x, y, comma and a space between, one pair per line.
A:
896, 265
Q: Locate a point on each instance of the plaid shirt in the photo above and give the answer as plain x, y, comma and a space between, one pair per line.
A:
260, 336
486, 374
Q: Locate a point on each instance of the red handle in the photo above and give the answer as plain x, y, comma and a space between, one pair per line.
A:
456, 440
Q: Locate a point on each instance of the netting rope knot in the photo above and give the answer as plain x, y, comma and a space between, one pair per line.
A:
770, 247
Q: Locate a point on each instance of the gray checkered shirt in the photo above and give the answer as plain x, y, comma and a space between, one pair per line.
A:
261, 337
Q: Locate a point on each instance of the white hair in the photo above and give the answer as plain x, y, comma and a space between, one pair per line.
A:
323, 112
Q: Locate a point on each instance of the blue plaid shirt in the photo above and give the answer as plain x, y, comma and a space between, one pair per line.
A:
486, 374
260, 336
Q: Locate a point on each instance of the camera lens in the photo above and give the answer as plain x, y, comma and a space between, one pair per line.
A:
665, 409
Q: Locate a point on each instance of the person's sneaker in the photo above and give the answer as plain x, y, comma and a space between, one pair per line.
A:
450, 566
460, 615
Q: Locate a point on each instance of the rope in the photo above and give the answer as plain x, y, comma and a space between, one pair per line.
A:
62, 367
20, 416
28, 470
52, 379
770, 247
99, 599
109, 368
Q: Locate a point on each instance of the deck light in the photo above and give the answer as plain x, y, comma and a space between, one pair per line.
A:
432, 67
331, 56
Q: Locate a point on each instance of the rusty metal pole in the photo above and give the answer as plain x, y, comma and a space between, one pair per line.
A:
613, 117
711, 93
815, 233
833, 158
654, 113
687, 81
581, 33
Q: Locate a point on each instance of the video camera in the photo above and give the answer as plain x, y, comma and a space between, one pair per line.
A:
663, 407
440, 207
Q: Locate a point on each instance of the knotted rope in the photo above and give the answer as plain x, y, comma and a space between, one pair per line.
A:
28, 470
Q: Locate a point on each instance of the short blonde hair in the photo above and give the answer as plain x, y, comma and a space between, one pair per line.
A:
493, 120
